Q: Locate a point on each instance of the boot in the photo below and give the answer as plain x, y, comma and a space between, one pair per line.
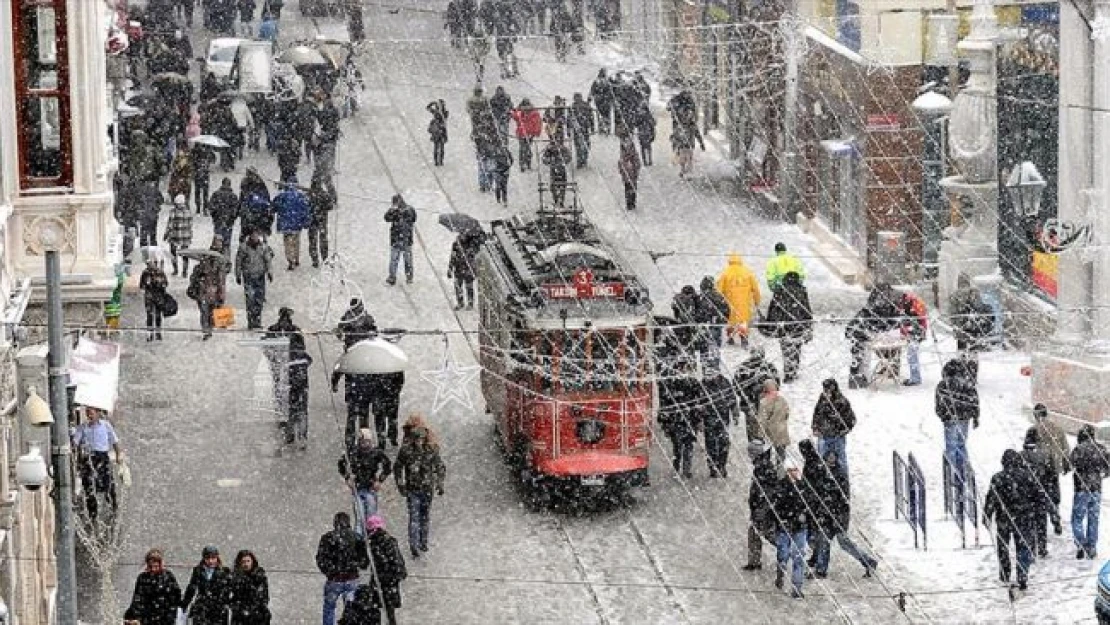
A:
752, 566
778, 578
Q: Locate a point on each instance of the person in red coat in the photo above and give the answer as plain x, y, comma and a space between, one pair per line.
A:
529, 125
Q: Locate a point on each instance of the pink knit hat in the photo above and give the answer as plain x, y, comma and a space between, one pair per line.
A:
375, 523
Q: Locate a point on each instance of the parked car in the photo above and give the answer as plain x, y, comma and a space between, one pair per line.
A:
221, 57
1102, 599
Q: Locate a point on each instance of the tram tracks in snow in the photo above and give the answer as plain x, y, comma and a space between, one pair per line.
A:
561, 527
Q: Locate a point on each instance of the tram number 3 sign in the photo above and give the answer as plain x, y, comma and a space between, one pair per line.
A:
583, 286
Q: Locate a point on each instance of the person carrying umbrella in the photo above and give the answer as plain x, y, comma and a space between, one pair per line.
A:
293, 215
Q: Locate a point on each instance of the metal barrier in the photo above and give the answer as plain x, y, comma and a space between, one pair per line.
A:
961, 499
909, 497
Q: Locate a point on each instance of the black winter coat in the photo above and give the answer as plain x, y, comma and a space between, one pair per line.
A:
155, 600
763, 490
833, 417
250, 597
368, 466
207, 598
1091, 466
389, 566
957, 400
1039, 468
791, 506
356, 325
341, 554
224, 208
366, 608
790, 313
1010, 499
461, 265
828, 504
748, 381
402, 221
711, 308
720, 406
677, 417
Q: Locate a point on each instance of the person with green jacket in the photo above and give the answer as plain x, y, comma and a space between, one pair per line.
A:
781, 264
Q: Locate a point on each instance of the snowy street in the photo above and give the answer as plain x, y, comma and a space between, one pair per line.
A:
204, 458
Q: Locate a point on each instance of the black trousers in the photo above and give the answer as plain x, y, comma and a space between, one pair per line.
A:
385, 420
525, 153
682, 449
629, 195
791, 357
717, 445
318, 240
461, 286
96, 477
438, 152
154, 318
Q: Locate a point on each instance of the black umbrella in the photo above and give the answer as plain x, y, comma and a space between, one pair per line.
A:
460, 223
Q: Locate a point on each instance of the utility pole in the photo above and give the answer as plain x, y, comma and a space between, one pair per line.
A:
64, 545
792, 48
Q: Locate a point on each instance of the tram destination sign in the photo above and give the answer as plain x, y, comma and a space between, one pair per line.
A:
583, 286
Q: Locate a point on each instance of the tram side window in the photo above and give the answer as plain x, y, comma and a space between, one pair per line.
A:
605, 360
634, 359
573, 361
545, 362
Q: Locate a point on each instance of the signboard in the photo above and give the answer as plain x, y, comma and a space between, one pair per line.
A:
583, 286
94, 369
884, 121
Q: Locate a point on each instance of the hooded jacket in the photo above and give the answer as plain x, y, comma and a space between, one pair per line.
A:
827, 495
956, 399
419, 469
389, 565
711, 307
356, 324
1008, 500
402, 222
1090, 462
790, 311
1039, 468
1054, 444
833, 416
782, 264
292, 210
740, 288
748, 380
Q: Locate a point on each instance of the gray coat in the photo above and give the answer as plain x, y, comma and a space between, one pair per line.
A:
253, 262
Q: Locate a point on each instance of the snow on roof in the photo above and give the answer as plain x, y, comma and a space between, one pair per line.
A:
820, 37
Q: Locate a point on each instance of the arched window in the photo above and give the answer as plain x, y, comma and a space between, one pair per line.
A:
42, 93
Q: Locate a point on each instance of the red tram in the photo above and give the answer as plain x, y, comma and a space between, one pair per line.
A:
565, 352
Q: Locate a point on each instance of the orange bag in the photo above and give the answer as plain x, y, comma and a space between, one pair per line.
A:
223, 316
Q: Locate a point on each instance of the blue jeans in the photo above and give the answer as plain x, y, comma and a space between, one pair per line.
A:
955, 448
395, 254
419, 505
837, 445
254, 288
913, 359
792, 546
366, 506
1085, 506
332, 592
822, 549
485, 174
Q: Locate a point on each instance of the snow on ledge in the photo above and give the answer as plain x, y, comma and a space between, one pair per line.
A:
822, 38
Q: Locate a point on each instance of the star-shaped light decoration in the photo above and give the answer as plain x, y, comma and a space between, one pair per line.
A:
331, 289
452, 384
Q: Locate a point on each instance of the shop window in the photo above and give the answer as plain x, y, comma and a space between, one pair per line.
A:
42, 93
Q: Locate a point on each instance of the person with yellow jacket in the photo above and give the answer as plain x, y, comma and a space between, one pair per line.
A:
781, 264
741, 288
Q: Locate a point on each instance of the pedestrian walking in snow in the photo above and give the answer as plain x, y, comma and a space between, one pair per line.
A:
153, 283
748, 380
629, 166
293, 215
437, 130
1009, 507
682, 144
208, 596
762, 493
385, 401
792, 319
208, 284
296, 426
356, 324
601, 94
501, 107
202, 173
402, 224
833, 420
529, 125
356, 394
157, 595
181, 176
419, 473
250, 591
340, 555
1039, 467
679, 421
915, 323
224, 208
278, 358
1053, 442
782, 263
738, 284
502, 166
830, 507
711, 313
773, 417
322, 199
1091, 464
365, 470
253, 267
581, 127
461, 269
389, 566
179, 232
557, 156
793, 524
718, 412
645, 133
957, 405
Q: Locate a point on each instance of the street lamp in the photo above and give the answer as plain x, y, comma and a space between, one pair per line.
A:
1025, 186
933, 108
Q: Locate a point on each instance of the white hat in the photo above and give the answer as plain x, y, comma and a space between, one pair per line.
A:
180, 200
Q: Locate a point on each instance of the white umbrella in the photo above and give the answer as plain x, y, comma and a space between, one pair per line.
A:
375, 355
211, 141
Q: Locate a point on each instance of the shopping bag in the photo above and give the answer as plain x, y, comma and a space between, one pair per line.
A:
125, 474
182, 618
168, 305
223, 316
